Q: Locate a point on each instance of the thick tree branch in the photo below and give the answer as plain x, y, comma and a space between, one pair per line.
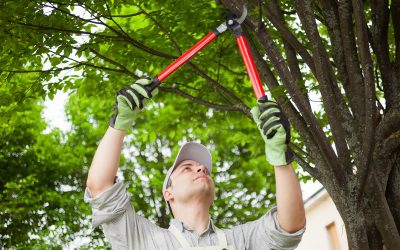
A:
369, 91
387, 130
331, 15
356, 97
379, 37
327, 85
293, 63
384, 220
380, 23
395, 10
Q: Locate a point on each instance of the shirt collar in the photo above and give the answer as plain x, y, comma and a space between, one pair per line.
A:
181, 227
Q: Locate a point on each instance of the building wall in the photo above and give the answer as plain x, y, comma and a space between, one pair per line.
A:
325, 229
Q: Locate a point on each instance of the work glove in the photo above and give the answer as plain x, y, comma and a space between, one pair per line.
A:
275, 130
129, 101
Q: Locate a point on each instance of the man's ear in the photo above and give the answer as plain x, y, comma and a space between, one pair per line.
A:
168, 195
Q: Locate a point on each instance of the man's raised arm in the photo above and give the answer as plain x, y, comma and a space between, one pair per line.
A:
105, 163
275, 130
291, 214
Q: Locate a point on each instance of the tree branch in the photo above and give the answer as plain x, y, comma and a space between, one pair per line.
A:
47, 28
290, 52
369, 92
379, 43
299, 123
40, 70
383, 217
288, 37
301, 103
119, 37
216, 84
330, 12
395, 10
206, 103
89, 20
122, 67
174, 43
354, 73
314, 172
149, 50
89, 64
196, 69
128, 38
327, 84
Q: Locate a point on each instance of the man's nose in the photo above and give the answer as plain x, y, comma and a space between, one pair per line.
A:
201, 168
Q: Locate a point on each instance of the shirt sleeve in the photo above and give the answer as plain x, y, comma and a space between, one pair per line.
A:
265, 233
122, 227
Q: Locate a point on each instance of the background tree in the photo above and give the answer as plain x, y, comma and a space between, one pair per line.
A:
41, 185
333, 66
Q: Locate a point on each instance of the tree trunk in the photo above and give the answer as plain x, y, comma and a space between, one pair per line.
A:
368, 219
393, 191
355, 220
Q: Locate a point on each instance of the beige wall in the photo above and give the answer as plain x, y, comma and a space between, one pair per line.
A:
321, 212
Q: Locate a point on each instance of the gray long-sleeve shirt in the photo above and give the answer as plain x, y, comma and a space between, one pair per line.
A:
125, 229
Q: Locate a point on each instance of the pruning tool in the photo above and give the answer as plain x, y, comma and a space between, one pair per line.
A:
232, 24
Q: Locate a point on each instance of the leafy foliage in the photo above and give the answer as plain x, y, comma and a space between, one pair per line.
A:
54, 46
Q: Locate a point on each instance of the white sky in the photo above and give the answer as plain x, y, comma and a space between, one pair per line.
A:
54, 112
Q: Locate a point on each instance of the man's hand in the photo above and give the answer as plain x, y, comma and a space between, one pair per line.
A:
128, 102
275, 130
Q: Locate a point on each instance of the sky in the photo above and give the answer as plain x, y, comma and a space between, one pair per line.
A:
54, 112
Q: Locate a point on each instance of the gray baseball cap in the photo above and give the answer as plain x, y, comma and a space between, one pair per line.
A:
190, 151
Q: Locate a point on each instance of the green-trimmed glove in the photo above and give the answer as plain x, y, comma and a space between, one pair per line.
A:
129, 101
275, 130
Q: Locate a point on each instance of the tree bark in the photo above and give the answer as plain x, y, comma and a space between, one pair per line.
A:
393, 189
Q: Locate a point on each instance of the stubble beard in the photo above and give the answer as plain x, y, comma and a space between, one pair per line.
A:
202, 191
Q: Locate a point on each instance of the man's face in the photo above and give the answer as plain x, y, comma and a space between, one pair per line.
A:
191, 180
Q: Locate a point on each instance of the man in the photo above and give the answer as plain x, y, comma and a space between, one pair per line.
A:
189, 190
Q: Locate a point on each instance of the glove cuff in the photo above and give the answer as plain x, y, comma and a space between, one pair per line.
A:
278, 157
118, 123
